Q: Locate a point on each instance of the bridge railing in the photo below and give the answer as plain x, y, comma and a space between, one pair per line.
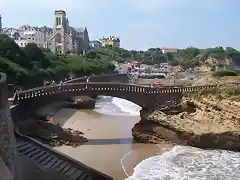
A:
107, 87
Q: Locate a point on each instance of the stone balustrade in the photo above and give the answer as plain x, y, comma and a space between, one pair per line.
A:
106, 87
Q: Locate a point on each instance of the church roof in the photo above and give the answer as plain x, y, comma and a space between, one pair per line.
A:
80, 29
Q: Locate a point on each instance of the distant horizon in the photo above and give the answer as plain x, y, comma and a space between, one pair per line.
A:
140, 25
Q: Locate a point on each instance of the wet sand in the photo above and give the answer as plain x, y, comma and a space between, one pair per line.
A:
110, 148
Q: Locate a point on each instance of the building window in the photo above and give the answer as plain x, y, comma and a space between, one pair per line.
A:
60, 21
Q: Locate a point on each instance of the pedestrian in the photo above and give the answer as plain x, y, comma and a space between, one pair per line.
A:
158, 84
87, 82
60, 84
151, 85
53, 83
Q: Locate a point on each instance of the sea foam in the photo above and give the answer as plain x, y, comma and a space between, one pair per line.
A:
188, 163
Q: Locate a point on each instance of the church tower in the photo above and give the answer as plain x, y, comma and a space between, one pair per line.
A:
60, 30
0, 23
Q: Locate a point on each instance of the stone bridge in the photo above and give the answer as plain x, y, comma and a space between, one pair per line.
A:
143, 96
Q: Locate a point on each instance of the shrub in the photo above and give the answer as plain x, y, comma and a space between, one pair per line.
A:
222, 73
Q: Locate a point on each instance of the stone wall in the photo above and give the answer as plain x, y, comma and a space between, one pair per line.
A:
8, 149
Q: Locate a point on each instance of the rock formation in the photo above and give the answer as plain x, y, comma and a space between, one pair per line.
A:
205, 120
8, 150
46, 129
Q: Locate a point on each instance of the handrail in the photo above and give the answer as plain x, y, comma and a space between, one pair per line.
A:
114, 83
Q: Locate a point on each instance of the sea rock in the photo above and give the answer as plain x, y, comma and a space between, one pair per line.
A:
204, 122
82, 102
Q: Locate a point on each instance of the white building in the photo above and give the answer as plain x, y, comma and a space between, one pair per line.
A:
166, 50
111, 40
26, 34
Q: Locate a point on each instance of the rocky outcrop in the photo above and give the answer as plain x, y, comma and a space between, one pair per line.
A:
81, 102
46, 129
204, 122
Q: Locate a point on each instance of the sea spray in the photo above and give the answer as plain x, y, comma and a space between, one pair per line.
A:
116, 106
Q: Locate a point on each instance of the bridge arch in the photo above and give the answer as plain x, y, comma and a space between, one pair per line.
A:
141, 95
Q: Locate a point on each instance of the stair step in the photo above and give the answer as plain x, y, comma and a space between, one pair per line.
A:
64, 170
21, 143
37, 150
63, 165
46, 161
70, 171
83, 176
24, 147
26, 151
36, 156
42, 158
51, 163
57, 164
76, 174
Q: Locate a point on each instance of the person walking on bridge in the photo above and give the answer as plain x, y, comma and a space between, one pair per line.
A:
53, 83
87, 82
60, 85
151, 85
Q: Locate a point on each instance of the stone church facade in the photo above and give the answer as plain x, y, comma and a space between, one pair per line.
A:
66, 39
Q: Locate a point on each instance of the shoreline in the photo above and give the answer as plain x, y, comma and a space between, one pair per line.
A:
109, 140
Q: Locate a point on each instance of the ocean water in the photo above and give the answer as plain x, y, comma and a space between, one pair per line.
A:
179, 162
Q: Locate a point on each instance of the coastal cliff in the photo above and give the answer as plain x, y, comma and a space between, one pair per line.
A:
206, 119
45, 128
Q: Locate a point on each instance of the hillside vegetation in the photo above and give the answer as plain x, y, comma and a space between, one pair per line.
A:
30, 66
186, 58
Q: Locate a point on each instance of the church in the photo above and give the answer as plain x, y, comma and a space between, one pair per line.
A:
66, 39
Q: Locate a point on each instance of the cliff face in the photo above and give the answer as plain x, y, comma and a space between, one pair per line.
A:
45, 128
205, 122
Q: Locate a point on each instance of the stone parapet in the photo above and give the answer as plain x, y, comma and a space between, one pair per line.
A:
8, 149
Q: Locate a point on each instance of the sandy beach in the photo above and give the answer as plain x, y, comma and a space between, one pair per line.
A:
110, 148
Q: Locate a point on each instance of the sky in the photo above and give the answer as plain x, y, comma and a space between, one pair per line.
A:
140, 24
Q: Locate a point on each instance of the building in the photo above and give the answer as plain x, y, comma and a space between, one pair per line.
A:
95, 43
111, 40
26, 34
61, 39
65, 39
0, 23
166, 50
